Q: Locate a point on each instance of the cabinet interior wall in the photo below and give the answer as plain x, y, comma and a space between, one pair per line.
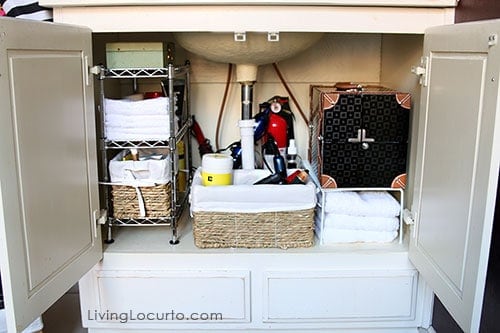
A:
355, 57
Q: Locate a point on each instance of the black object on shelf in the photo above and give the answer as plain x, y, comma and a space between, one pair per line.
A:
362, 138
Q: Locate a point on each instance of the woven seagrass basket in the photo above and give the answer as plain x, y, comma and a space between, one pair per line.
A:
284, 230
126, 201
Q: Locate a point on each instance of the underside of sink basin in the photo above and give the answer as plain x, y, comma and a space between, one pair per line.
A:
247, 51
256, 49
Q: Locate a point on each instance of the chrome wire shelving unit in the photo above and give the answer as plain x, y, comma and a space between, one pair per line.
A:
180, 133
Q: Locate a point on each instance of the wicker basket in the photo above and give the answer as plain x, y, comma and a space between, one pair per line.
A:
284, 230
126, 202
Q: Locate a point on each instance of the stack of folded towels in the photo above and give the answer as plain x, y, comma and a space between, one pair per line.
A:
366, 216
126, 120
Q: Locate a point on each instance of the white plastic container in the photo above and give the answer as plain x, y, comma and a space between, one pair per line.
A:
217, 169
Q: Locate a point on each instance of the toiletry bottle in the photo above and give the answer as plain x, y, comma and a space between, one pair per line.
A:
291, 155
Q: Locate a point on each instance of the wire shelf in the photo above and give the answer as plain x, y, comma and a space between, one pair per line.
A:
123, 73
160, 221
109, 144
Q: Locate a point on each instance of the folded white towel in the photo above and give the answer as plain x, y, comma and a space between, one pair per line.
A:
118, 120
369, 203
131, 134
368, 223
153, 106
334, 235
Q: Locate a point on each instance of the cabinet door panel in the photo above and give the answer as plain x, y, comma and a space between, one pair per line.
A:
457, 166
168, 298
340, 296
48, 172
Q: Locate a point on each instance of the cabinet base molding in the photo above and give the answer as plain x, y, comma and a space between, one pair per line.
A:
340, 330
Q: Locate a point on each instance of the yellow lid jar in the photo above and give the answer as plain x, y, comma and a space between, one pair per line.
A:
216, 169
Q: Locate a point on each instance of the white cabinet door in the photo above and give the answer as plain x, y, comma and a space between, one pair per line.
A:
48, 167
458, 165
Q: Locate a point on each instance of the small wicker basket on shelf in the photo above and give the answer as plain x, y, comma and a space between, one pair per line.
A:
126, 201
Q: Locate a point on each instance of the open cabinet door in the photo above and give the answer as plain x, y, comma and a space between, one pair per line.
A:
457, 165
48, 165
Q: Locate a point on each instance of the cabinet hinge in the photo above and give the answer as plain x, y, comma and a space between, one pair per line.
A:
492, 40
422, 70
96, 70
409, 217
100, 217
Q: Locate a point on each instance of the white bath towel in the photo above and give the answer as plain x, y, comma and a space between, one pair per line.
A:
334, 235
137, 134
153, 106
363, 203
367, 223
118, 120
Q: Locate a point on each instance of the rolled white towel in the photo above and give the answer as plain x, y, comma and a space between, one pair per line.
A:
368, 223
369, 203
334, 235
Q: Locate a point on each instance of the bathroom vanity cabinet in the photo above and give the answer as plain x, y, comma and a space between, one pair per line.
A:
50, 239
